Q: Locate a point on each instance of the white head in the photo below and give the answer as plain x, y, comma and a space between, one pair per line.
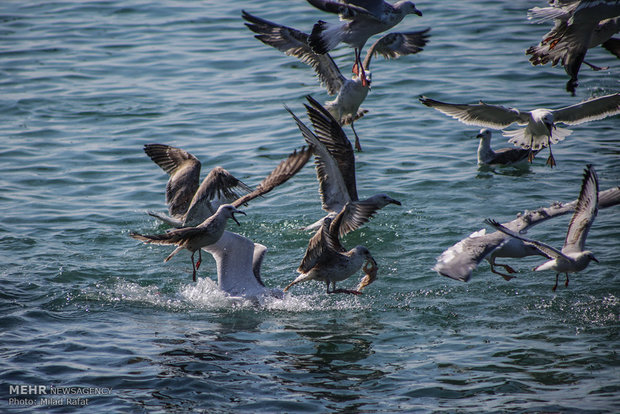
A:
228, 211
407, 7
484, 134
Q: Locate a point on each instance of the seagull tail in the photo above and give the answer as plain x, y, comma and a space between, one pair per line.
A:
324, 37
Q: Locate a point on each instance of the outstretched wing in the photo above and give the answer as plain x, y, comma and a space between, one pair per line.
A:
285, 170
483, 115
585, 212
544, 249
295, 43
394, 45
184, 171
597, 108
331, 134
346, 11
333, 190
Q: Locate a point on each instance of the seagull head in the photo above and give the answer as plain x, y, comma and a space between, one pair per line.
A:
547, 120
383, 200
484, 133
228, 210
407, 7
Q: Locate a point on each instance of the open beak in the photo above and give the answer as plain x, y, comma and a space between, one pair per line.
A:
235, 219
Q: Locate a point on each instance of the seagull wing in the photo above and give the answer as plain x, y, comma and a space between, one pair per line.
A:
317, 247
334, 194
355, 215
285, 170
544, 249
483, 115
394, 45
295, 43
346, 11
219, 186
585, 212
331, 134
597, 108
184, 171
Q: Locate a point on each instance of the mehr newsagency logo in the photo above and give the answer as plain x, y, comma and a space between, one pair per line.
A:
48, 395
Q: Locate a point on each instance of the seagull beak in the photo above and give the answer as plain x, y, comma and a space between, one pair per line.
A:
235, 219
418, 12
398, 203
479, 136
550, 127
595, 259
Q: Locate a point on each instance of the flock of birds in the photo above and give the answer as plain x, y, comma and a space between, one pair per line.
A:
199, 212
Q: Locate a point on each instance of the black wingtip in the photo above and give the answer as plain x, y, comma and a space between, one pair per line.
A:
315, 40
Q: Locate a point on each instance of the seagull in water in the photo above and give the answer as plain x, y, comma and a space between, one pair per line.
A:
573, 257
350, 92
327, 261
239, 260
217, 188
579, 26
504, 156
458, 261
335, 170
364, 18
540, 124
211, 229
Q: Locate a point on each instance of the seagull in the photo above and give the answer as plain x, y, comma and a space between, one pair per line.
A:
188, 203
504, 156
327, 261
579, 26
238, 260
573, 257
459, 261
194, 238
365, 18
210, 230
540, 124
335, 170
217, 188
350, 92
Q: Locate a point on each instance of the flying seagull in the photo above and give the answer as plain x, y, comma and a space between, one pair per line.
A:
335, 170
459, 261
194, 238
217, 188
350, 92
363, 19
578, 26
573, 257
326, 260
211, 229
540, 129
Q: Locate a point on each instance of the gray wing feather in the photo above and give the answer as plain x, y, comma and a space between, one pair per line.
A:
490, 116
591, 110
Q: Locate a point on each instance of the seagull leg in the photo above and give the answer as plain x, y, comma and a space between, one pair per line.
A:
508, 269
550, 160
351, 292
557, 275
530, 155
193, 267
594, 67
199, 259
566, 283
356, 67
358, 147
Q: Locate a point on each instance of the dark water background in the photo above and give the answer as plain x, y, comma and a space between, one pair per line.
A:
85, 84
